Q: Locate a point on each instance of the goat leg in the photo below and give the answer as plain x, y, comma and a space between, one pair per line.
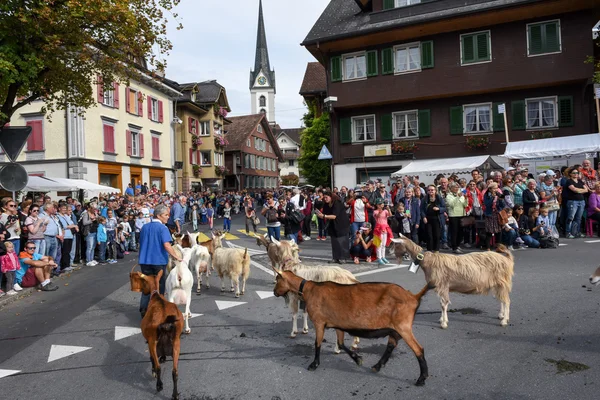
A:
176, 348
305, 325
233, 287
410, 340
199, 276
392, 343
153, 354
340, 345
320, 331
243, 285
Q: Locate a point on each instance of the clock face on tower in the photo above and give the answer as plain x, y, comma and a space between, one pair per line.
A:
262, 81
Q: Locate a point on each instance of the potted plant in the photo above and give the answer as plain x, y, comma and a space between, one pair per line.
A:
541, 135
220, 141
223, 112
404, 146
221, 170
477, 142
196, 142
197, 170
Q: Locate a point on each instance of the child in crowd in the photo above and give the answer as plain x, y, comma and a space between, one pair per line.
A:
383, 233
10, 264
203, 213
139, 223
102, 238
111, 234
544, 221
121, 240
195, 217
510, 231
126, 230
227, 217
403, 218
210, 213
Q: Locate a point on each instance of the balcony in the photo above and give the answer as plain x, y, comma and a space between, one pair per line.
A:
291, 155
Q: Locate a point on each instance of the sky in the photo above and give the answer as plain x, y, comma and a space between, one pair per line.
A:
218, 41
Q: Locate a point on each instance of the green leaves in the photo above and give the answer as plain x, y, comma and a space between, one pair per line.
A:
315, 172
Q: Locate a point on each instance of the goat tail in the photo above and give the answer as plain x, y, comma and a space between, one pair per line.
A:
165, 335
423, 292
168, 326
502, 249
245, 253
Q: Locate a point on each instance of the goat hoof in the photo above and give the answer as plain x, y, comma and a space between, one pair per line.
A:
208, 286
154, 374
354, 347
313, 366
187, 331
420, 382
232, 290
305, 331
198, 293
175, 396
504, 323
359, 361
376, 368
293, 335
159, 386
444, 326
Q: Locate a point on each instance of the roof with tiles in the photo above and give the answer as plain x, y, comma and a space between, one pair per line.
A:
315, 79
241, 127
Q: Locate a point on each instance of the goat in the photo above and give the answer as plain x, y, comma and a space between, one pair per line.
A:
315, 274
595, 277
475, 273
231, 263
161, 327
368, 310
279, 252
178, 287
173, 262
200, 262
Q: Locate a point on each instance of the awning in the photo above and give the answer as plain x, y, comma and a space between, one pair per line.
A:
456, 165
47, 183
560, 146
77, 184
41, 184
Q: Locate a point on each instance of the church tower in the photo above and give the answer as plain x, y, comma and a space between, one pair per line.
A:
262, 78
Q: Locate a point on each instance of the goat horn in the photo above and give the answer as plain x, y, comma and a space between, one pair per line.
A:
395, 240
275, 241
276, 271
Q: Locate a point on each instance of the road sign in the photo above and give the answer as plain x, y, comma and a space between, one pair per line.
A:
13, 139
325, 154
501, 108
13, 177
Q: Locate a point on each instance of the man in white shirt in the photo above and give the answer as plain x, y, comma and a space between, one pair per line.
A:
297, 200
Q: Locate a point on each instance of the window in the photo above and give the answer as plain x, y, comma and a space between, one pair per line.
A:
253, 161
262, 101
152, 108
108, 98
249, 142
406, 125
135, 143
543, 38
407, 58
193, 125
109, 137
477, 118
156, 147
246, 161
541, 113
355, 66
363, 128
134, 101
35, 141
204, 128
263, 111
404, 3
270, 149
291, 163
259, 128
219, 159
205, 158
475, 48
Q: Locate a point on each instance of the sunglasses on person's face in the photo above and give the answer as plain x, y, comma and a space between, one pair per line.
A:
11, 206
30, 248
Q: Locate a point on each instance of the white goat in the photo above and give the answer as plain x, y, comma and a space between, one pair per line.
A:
231, 263
595, 277
200, 262
474, 273
316, 274
279, 252
178, 287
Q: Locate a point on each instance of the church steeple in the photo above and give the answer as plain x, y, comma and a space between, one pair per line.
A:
262, 78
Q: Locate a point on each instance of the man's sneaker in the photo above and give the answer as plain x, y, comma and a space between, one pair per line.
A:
307, 238
467, 245
569, 236
582, 235
11, 292
445, 246
68, 269
94, 262
17, 287
112, 262
90, 264
511, 248
50, 287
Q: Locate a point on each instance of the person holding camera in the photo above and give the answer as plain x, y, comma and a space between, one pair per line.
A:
36, 227
10, 219
270, 213
362, 245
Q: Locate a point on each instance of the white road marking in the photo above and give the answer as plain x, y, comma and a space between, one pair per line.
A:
196, 315
58, 351
264, 295
376, 271
121, 332
223, 305
592, 241
8, 372
315, 258
252, 252
262, 267
563, 244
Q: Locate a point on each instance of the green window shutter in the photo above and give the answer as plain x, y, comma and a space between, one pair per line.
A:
517, 111
345, 130
424, 123
336, 69
388, 4
552, 37
427, 54
565, 111
387, 61
468, 49
386, 127
498, 119
483, 46
372, 69
535, 39
456, 120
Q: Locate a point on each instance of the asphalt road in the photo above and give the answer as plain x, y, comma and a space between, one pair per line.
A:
240, 348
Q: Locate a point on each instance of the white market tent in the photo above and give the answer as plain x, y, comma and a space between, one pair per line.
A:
46, 184
85, 185
455, 165
41, 184
553, 147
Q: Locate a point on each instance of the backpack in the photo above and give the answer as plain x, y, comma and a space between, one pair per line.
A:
549, 242
271, 215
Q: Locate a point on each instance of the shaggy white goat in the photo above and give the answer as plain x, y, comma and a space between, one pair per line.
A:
178, 287
200, 262
279, 252
474, 273
231, 263
595, 277
316, 274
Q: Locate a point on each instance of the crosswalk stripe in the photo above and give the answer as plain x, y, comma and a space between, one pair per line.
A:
263, 229
223, 305
261, 267
376, 271
252, 252
264, 294
121, 332
8, 372
58, 351
592, 241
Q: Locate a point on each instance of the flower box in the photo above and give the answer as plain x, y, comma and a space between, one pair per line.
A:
477, 142
404, 146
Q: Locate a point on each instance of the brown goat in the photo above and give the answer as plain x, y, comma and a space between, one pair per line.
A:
161, 326
367, 310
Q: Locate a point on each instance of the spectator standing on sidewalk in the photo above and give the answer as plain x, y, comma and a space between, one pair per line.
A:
250, 214
307, 216
334, 213
10, 219
67, 242
270, 213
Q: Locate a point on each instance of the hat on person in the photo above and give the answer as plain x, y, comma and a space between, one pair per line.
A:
550, 173
378, 201
510, 169
370, 182
366, 226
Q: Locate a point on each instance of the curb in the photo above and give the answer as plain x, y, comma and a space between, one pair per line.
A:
6, 300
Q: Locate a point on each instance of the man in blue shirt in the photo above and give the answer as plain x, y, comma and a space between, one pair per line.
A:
129, 190
177, 216
155, 248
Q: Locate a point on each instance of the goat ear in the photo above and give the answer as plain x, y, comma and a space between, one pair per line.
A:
292, 241
273, 240
397, 240
402, 236
277, 271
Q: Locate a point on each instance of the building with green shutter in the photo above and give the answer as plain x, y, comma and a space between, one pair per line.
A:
418, 79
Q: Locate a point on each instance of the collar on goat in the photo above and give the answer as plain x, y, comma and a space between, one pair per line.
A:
419, 258
301, 289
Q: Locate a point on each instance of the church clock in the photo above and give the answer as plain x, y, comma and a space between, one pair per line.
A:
262, 81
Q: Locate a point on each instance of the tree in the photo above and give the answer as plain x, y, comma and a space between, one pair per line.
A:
316, 172
290, 180
55, 49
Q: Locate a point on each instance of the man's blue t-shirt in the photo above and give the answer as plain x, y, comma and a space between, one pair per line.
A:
20, 273
153, 237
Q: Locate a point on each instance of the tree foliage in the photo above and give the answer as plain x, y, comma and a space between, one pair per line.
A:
290, 180
315, 172
54, 49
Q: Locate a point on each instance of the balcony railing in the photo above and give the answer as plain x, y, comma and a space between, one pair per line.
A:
291, 155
